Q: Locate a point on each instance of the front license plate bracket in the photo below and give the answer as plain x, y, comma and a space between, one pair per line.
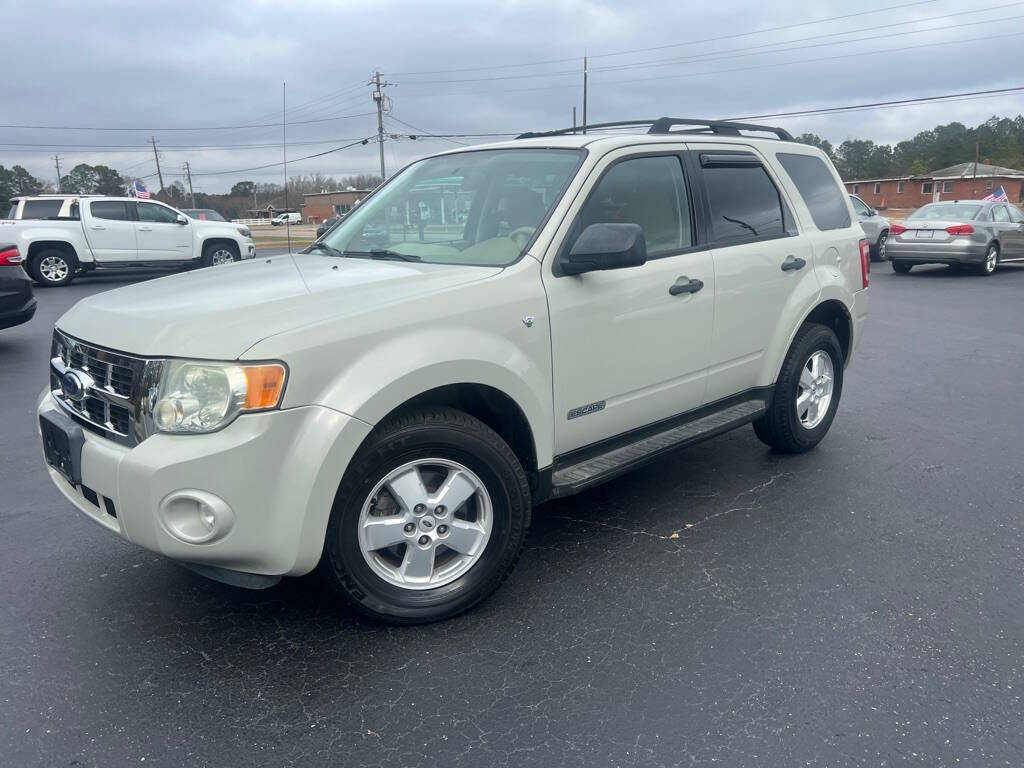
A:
62, 445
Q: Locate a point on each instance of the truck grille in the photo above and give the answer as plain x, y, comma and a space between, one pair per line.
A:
106, 407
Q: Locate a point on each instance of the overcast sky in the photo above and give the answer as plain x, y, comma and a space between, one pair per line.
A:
161, 66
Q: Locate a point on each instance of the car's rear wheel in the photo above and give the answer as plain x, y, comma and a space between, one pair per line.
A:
878, 252
901, 267
806, 393
429, 518
988, 266
53, 267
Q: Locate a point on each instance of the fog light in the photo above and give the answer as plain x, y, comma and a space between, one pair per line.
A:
196, 517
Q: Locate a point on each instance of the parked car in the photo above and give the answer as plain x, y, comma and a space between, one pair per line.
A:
326, 224
875, 226
973, 233
102, 232
17, 303
203, 214
286, 218
391, 414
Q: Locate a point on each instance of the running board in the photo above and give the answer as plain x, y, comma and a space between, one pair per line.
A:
577, 477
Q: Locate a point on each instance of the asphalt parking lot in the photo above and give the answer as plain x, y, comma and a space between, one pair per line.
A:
859, 605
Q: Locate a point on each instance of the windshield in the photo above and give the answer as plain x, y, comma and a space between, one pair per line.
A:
478, 208
941, 211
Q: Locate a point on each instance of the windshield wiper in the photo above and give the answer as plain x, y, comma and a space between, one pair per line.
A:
325, 248
384, 253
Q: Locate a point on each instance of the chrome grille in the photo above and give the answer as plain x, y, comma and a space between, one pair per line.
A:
108, 406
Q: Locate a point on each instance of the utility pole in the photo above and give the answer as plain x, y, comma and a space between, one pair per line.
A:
378, 96
974, 176
188, 175
56, 159
584, 94
156, 157
284, 153
574, 118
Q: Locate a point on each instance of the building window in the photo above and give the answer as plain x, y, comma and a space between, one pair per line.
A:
947, 187
899, 187
856, 188
878, 188
989, 185
926, 188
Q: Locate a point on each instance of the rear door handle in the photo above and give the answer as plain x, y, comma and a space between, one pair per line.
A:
686, 285
145, 229
793, 263
97, 226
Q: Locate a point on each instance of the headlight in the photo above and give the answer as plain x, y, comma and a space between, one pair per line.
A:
244, 232
196, 397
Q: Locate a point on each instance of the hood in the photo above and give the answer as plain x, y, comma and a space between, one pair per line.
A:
219, 312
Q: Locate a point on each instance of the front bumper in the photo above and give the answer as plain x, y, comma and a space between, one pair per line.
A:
276, 472
956, 252
249, 250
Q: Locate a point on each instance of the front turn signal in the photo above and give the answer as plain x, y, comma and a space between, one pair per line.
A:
263, 385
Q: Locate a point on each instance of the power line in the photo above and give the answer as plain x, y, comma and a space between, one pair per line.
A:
294, 160
197, 128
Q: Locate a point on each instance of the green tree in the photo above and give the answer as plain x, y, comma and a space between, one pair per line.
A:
243, 189
816, 141
917, 169
81, 180
108, 181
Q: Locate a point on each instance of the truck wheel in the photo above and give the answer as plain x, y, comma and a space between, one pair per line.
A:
806, 394
429, 518
215, 254
53, 267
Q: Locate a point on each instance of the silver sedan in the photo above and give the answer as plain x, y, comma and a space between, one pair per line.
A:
977, 233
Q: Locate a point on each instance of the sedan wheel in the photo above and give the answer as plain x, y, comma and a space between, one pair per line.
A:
988, 266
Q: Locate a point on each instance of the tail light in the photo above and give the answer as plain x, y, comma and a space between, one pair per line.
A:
960, 229
865, 261
896, 229
9, 257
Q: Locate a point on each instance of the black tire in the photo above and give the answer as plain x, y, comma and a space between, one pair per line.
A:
901, 267
878, 249
45, 264
780, 427
991, 261
436, 432
210, 251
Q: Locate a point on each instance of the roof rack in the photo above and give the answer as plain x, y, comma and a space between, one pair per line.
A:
664, 125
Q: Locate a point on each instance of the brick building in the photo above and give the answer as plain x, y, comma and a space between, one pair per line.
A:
958, 182
323, 205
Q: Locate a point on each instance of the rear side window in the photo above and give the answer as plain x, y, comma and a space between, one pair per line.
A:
745, 204
41, 209
816, 185
650, 192
999, 214
109, 209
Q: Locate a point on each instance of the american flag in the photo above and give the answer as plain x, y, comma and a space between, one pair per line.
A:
140, 190
999, 196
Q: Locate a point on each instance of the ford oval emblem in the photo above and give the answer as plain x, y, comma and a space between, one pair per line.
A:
75, 385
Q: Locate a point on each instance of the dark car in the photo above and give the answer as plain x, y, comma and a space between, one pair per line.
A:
326, 224
17, 303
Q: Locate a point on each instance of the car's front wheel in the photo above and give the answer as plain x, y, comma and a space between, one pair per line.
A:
429, 518
806, 393
901, 267
215, 254
878, 252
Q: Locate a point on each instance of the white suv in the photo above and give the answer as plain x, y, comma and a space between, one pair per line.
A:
494, 327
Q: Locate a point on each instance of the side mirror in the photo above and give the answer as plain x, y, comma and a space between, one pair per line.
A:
605, 246
181, 219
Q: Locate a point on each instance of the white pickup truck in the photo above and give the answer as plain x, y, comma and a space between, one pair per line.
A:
79, 233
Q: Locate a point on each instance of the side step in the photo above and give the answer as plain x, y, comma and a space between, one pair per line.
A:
574, 478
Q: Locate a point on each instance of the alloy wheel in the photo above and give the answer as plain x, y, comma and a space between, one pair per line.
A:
222, 256
425, 524
54, 268
814, 390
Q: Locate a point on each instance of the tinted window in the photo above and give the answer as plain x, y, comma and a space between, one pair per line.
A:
999, 213
1015, 215
156, 213
824, 199
41, 209
650, 192
109, 209
858, 206
745, 205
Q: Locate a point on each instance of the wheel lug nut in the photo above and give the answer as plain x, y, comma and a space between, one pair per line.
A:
419, 509
424, 540
409, 528
442, 530
440, 510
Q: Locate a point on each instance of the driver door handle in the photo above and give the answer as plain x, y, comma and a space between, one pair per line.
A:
145, 229
793, 263
686, 285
